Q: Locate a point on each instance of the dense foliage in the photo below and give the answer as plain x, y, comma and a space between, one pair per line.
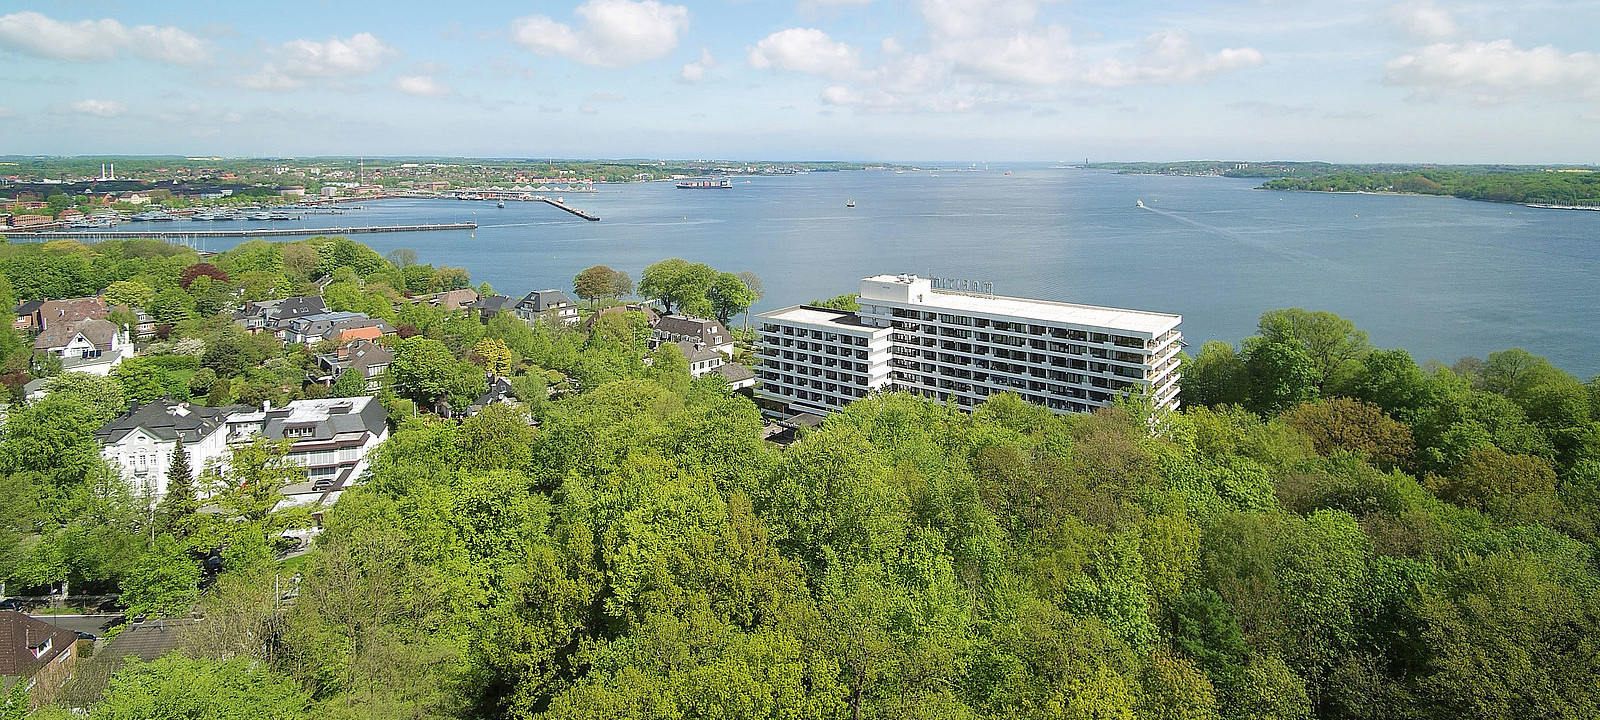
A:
1327, 530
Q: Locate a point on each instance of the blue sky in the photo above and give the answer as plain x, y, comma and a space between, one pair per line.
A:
995, 80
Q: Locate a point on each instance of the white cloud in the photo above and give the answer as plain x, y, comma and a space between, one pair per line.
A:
297, 61
98, 108
359, 54
1170, 57
588, 109
269, 78
422, 86
6, 112
98, 40
696, 71
603, 96
612, 33
1268, 109
983, 55
1495, 72
806, 50
1421, 19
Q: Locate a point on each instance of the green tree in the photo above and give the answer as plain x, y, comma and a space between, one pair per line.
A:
1333, 344
729, 296
424, 370
1282, 375
594, 283
165, 582
177, 687
102, 394
142, 379
178, 506
677, 283
1516, 373
493, 355
1391, 380
129, 292
170, 306
1216, 377
350, 383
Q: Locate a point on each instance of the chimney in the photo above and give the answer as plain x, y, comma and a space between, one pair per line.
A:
266, 406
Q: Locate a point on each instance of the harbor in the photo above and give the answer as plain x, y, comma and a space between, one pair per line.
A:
112, 234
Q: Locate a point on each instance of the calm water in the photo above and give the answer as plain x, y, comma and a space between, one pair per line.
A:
1440, 277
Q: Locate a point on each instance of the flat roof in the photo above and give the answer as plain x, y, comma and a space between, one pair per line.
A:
826, 317
1142, 321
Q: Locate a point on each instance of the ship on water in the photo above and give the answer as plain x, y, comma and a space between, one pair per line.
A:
704, 183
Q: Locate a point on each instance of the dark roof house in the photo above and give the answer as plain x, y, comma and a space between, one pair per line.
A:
166, 420
489, 306
672, 328
535, 304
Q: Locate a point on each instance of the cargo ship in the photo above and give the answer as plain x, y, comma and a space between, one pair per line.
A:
704, 183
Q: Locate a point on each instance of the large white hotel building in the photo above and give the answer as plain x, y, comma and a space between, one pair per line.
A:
912, 334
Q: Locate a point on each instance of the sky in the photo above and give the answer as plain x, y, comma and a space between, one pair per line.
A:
887, 80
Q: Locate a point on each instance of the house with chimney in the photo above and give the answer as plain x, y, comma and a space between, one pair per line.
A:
91, 346
139, 442
707, 332
362, 356
37, 655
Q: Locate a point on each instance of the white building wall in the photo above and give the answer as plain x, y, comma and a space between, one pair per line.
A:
143, 460
1069, 358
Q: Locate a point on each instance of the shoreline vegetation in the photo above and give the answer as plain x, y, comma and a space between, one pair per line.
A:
1544, 187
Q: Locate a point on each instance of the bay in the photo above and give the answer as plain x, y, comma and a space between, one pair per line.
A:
1440, 277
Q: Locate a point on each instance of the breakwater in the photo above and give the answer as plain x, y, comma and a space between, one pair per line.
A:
113, 233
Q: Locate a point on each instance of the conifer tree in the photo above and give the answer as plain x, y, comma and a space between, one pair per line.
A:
180, 501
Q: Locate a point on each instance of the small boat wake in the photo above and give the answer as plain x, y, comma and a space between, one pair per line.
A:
1241, 238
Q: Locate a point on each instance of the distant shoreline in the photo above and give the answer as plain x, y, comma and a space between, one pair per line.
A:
1537, 206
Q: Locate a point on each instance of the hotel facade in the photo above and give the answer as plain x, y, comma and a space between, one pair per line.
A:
911, 334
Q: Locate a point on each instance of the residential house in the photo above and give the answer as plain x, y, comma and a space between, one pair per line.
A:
489, 306
139, 443
703, 360
552, 305
309, 329
331, 439
361, 329
88, 346
48, 313
499, 391
26, 319
270, 314
650, 314
673, 328
362, 356
37, 654
450, 300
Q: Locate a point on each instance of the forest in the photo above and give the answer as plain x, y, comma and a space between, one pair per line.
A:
1327, 530
1569, 188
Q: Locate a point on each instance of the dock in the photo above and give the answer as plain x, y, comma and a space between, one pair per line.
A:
112, 234
558, 204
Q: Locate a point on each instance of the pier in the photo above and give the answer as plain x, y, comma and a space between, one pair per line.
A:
557, 203
111, 234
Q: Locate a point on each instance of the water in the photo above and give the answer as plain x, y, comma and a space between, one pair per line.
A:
1440, 277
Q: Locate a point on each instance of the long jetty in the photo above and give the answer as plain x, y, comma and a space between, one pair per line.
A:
262, 232
557, 203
